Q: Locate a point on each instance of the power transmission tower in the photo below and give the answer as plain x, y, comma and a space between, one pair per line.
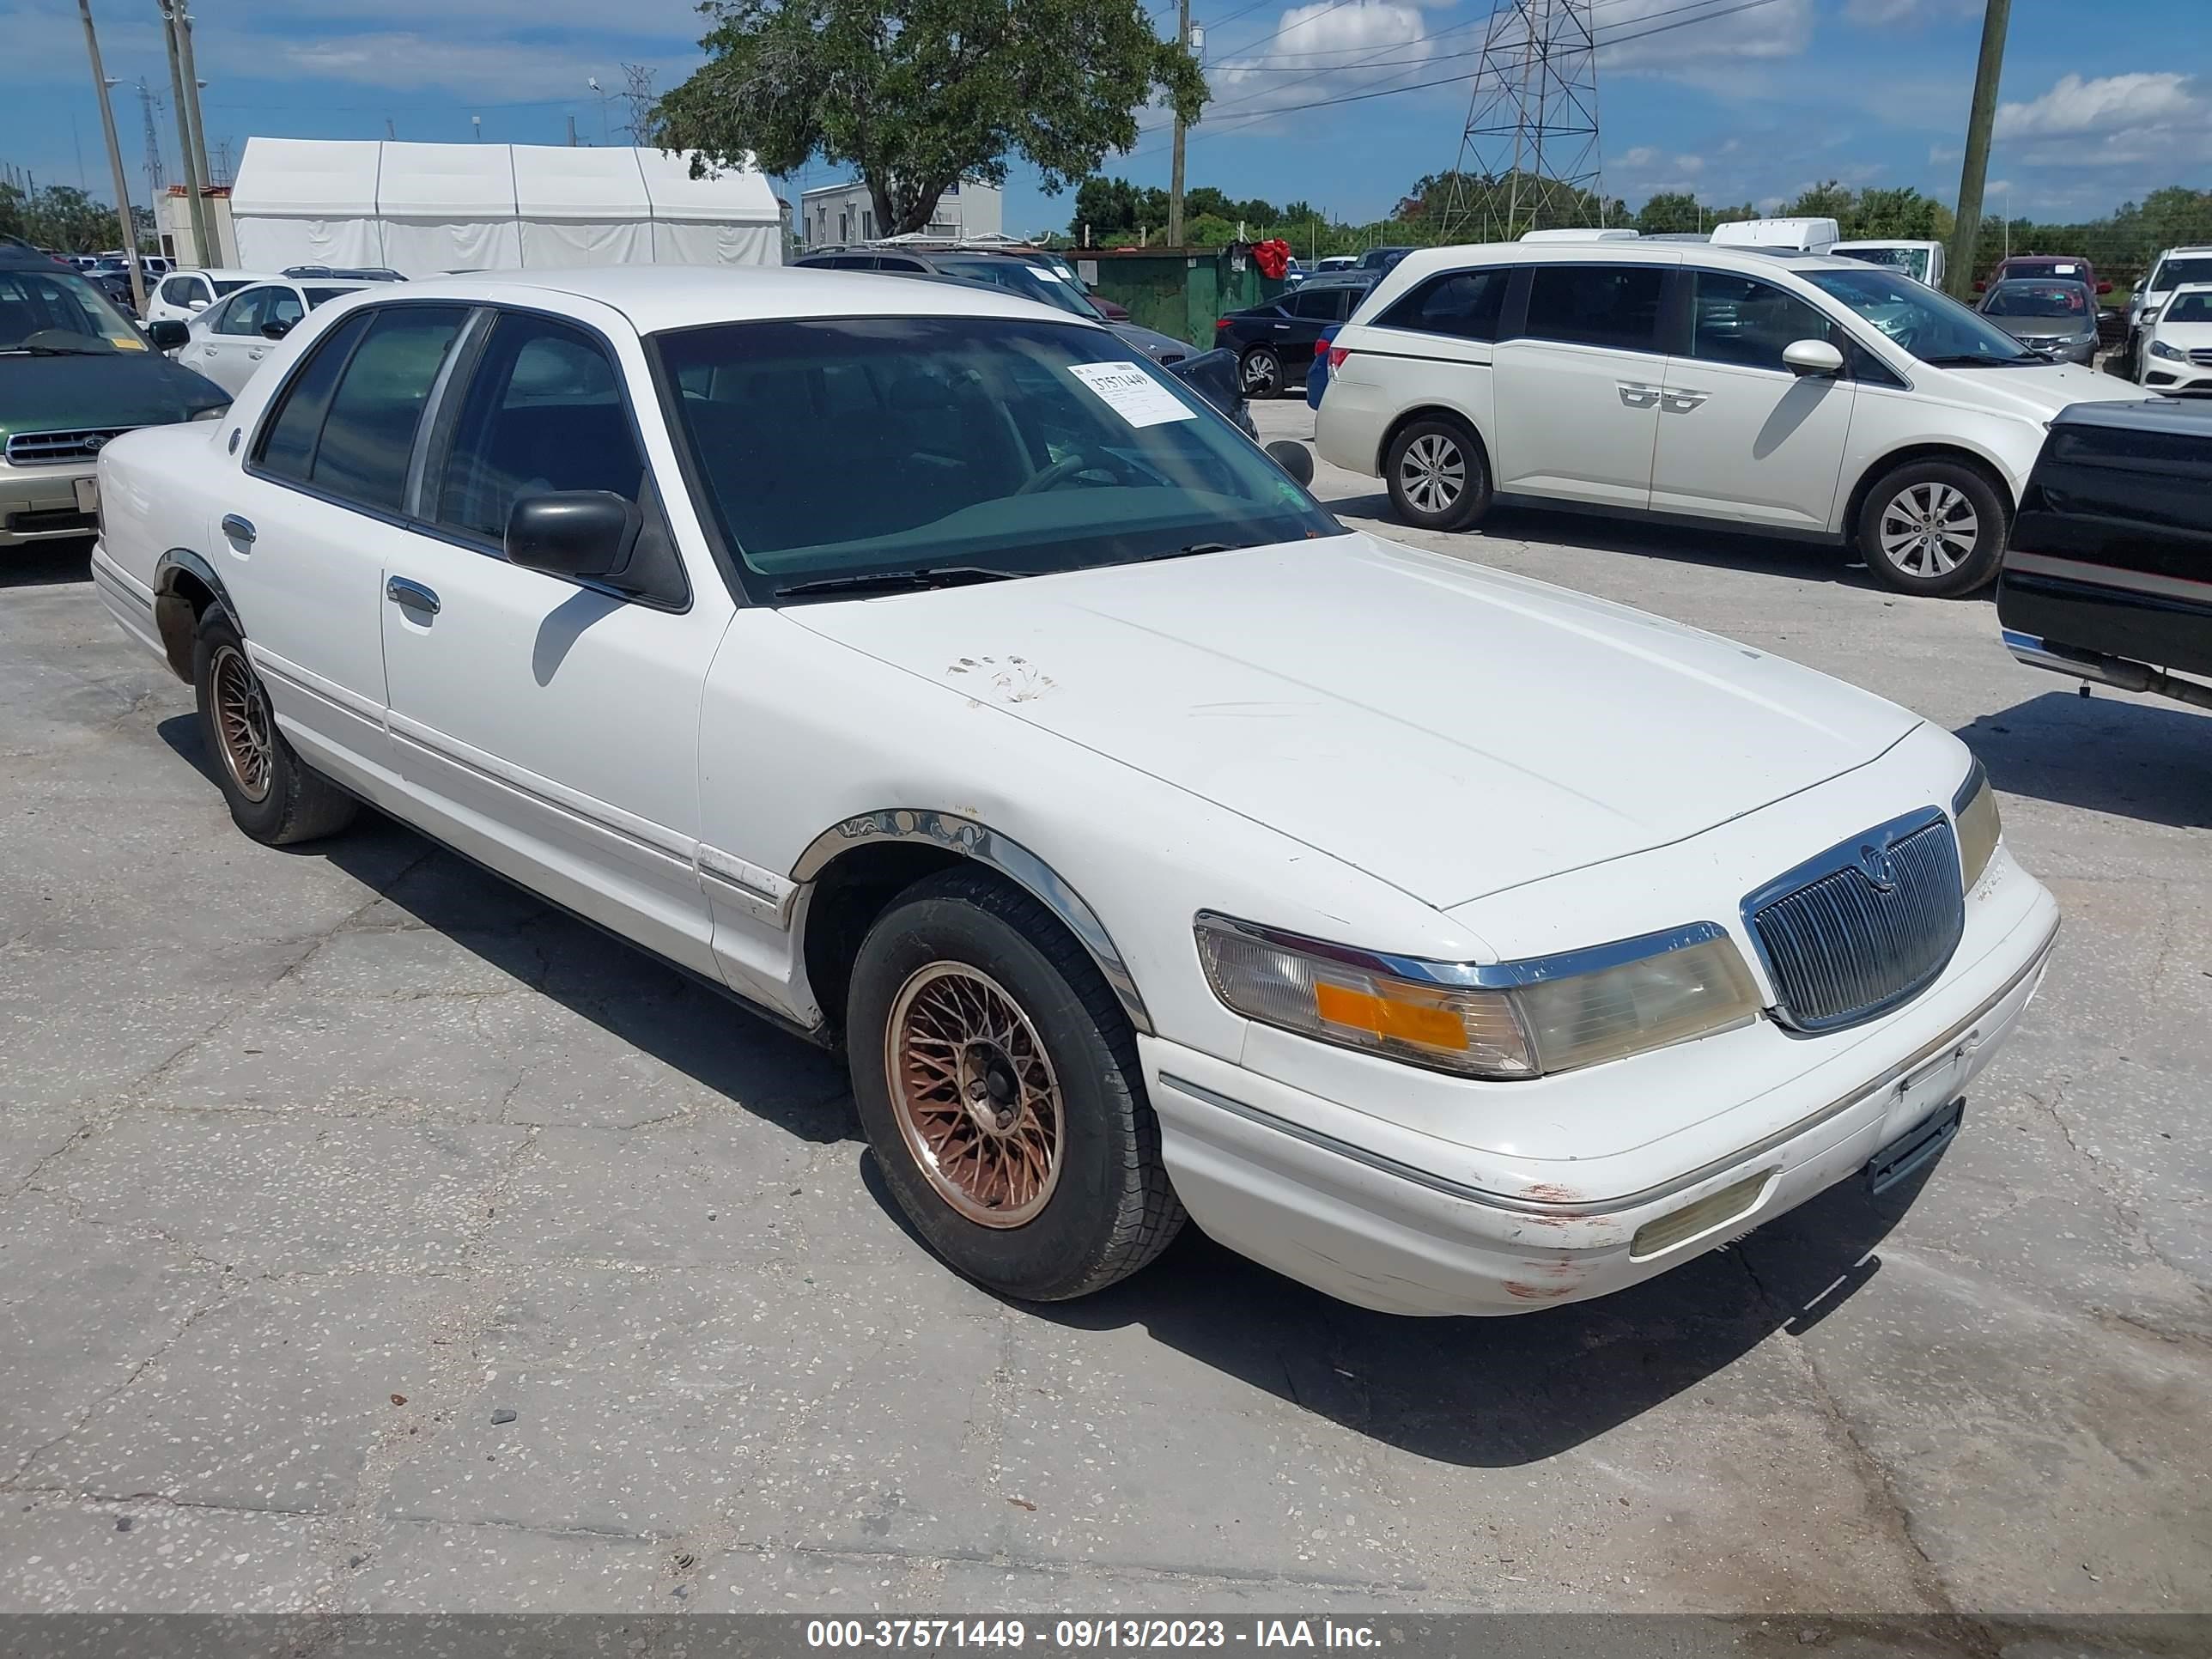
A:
638, 93
1528, 158
148, 101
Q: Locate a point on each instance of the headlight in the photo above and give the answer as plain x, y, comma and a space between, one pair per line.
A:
2160, 349
1516, 1020
1974, 810
213, 414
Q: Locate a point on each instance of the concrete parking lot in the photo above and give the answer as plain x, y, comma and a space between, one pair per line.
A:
316, 1165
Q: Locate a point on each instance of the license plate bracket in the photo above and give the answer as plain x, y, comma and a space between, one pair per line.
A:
88, 493
1917, 1146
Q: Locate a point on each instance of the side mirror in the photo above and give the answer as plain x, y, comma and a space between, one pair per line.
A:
1294, 459
573, 532
1813, 357
168, 334
195, 304
278, 329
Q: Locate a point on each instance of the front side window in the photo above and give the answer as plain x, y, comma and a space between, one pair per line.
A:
1464, 304
1742, 321
834, 450
370, 430
1615, 306
59, 315
243, 315
287, 445
282, 306
1932, 327
544, 413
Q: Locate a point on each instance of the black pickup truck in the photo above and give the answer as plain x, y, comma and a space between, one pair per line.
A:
2108, 576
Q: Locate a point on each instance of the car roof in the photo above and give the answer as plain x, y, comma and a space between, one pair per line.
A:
1423, 261
230, 273
659, 297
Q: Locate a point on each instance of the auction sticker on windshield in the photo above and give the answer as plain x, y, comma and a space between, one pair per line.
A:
1130, 392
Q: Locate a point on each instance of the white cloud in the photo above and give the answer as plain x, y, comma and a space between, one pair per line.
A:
1910, 13
1323, 51
2149, 120
1654, 37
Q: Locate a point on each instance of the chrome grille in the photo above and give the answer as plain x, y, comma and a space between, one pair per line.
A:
2201, 355
29, 448
1840, 946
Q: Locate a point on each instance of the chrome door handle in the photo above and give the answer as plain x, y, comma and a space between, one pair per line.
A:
238, 530
1638, 396
413, 595
1681, 402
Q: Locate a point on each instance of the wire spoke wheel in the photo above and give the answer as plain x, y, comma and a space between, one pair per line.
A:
974, 1091
1929, 530
1433, 472
243, 732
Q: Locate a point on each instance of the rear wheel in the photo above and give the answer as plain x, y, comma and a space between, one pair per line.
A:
1262, 372
274, 796
1933, 527
1436, 475
999, 1084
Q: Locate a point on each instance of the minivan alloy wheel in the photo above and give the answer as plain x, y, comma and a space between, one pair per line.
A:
243, 731
1432, 472
1930, 529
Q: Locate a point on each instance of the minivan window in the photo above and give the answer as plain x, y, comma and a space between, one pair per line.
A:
1464, 304
287, 446
543, 412
370, 430
838, 452
1742, 321
1615, 306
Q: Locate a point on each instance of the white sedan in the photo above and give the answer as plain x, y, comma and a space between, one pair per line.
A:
2177, 358
228, 341
182, 296
943, 680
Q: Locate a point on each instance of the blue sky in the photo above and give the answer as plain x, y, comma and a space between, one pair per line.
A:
2099, 103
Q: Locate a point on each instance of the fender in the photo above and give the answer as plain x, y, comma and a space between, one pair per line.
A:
1001, 852
174, 612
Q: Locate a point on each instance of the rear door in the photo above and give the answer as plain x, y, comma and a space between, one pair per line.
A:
1739, 436
1577, 386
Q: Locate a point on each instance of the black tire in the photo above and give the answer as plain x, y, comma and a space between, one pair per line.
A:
1935, 528
1110, 1208
1260, 374
275, 797
1436, 475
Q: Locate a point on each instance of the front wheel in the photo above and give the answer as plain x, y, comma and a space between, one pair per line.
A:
999, 1084
1436, 475
1935, 528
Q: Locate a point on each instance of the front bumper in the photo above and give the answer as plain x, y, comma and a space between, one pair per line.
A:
40, 504
1302, 1184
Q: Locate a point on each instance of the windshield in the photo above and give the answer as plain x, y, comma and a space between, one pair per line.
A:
835, 449
2190, 308
1912, 261
1019, 276
2068, 299
1934, 328
56, 311
2178, 273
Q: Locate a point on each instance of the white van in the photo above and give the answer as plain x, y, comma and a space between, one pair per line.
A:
1747, 388
1785, 235
1924, 262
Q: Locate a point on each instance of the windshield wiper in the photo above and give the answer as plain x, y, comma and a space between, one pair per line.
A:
1966, 360
57, 351
894, 581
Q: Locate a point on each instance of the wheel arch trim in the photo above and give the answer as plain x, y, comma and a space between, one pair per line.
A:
990, 848
176, 623
1954, 450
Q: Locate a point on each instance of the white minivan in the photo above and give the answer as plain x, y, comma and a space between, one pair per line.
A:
1784, 393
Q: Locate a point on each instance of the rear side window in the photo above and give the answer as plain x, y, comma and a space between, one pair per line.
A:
1615, 306
544, 413
370, 430
287, 441
1464, 304
1318, 305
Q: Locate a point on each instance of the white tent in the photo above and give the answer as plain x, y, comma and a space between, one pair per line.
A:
423, 208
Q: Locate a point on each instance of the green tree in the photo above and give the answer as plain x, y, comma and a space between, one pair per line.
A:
1830, 200
918, 95
1894, 214
1669, 212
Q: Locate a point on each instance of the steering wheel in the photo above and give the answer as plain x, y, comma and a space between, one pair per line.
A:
1083, 460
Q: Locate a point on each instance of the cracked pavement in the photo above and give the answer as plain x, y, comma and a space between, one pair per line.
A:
312, 1161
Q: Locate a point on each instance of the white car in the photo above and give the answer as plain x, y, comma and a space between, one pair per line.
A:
1795, 394
228, 341
2177, 358
2174, 268
182, 296
941, 678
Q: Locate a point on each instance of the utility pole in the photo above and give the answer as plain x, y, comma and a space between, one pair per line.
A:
201, 246
100, 85
572, 132
210, 254
1175, 175
1973, 174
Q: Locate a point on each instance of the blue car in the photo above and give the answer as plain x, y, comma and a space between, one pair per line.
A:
1317, 376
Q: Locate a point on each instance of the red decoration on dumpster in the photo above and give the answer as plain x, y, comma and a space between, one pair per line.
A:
1272, 257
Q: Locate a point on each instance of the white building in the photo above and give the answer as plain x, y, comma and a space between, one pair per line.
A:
835, 214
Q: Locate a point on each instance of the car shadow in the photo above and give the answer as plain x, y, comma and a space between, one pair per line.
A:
1715, 547
1489, 1393
47, 564
2139, 758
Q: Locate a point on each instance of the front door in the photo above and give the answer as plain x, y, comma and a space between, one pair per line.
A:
1577, 389
546, 726
229, 345
1739, 436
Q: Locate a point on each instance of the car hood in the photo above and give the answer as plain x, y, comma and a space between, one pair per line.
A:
2183, 334
1451, 730
2047, 328
2036, 392
1150, 341
131, 388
